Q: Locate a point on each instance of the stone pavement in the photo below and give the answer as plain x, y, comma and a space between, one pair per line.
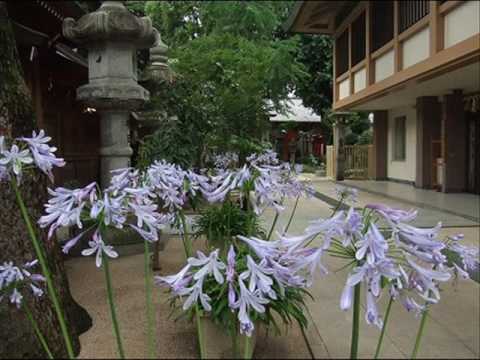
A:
452, 329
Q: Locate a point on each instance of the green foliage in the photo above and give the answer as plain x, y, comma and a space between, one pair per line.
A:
365, 137
220, 223
171, 143
229, 60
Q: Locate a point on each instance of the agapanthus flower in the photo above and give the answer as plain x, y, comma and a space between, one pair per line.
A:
195, 293
98, 247
259, 277
176, 282
43, 154
263, 249
468, 255
65, 207
393, 216
230, 273
14, 278
327, 228
268, 157
248, 299
208, 265
167, 181
371, 246
225, 160
15, 158
346, 194
124, 179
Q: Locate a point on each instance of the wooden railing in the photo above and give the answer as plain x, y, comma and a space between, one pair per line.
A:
358, 161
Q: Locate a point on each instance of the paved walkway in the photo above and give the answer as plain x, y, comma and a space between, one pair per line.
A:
462, 204
452, 329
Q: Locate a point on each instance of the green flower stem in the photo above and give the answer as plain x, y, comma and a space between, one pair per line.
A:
356, 323
273, 225
188, 252
186, 240
419, 334
382, 334
291, 215
46, 272
247, 354
37, 330
235, 337
111, 303
149, 306
199, 332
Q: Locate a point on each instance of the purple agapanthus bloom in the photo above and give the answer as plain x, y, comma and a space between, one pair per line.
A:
230, 273
195, 293
393, 216
346, 194
65, 207
167, 181
98, 247
259, 277
371, 246
263, 249
469, 255
43, 154
15, 159
248, 300
208, 265
14, 277
328, 228
176, 282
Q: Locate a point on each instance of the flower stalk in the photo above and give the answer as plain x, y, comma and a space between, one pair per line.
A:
111, 303
292, 215
356, 323
421, 329
199, 332
382, 334
149, 306
186, 239
247, 354
40, 337
46, 272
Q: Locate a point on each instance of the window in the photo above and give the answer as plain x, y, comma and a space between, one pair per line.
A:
382, 23
410, 12
399, 139
358, 39
341, 55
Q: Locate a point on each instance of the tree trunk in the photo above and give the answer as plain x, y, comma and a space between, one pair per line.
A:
17, 338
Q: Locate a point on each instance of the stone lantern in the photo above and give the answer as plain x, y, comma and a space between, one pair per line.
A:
112, 36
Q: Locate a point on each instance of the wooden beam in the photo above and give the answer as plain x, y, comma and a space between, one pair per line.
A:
368, 61
397, 56
460, 53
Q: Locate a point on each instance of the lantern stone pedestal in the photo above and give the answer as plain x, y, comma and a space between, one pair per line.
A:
112, 36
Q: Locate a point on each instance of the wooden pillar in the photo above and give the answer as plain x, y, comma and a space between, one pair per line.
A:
454, 152
428, 125
380, 144
339, 146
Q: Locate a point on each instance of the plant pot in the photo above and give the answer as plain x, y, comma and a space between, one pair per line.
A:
218, 344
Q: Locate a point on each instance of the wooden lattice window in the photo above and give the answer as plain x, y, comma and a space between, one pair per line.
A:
382, 23
341, 53
410, 12
358, 39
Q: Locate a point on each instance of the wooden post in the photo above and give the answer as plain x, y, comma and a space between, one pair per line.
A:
380, 141
339, 147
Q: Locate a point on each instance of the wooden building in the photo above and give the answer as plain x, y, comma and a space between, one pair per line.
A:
53, 69
416, 66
